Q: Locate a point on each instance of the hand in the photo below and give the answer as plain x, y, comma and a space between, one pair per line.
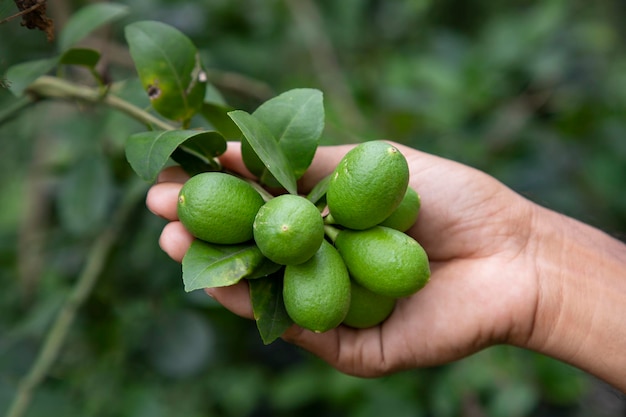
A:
483, 289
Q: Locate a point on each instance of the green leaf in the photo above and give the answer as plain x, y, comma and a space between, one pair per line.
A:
269, 310
88, 19
217, 115
169, 68
148, 152
296, 120
319, 191
207, 265
267, 149
80, 56
20, 76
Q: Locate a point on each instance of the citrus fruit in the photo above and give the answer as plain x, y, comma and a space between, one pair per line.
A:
367, 308
218, 208
405, 215
288, 229
316, 293
384, 260
367, 185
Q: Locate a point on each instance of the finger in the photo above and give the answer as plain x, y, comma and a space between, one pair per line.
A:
357, 352
162, 199
232, 160
173, 174
175, 240
235, 298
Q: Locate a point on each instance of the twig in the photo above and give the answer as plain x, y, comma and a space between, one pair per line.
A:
53, 87
95, 263
22, 12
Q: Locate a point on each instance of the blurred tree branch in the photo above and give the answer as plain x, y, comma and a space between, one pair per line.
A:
95, 263
324, 60
33, 14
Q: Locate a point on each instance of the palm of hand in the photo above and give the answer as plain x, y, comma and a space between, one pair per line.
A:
475, 231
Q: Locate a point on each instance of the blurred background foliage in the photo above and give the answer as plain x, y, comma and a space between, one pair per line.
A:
532, 92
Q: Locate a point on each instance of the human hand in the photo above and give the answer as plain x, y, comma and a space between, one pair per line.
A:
475, 231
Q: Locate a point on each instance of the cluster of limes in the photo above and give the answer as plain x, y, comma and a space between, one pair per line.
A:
348, 266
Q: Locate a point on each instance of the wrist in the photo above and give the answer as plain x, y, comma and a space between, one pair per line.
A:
581, 293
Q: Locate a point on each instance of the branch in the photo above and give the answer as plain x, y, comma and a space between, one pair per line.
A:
22, 12
95, 263
53, 87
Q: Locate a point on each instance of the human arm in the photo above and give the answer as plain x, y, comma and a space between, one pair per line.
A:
504, 270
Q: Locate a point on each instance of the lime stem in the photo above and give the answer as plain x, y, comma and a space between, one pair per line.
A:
329, 219
331, 232
264, 193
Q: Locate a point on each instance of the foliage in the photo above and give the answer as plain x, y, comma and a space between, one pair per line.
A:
530, 92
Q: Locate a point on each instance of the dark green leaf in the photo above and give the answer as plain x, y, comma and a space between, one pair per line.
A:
296, 120
191, 163
206, 265
269, 310
217, 115
264, 269
266, 148
88, 19
169, 68
20, 76
318, 192
80, 56
148, 152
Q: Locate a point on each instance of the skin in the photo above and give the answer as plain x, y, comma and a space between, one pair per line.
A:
504, 271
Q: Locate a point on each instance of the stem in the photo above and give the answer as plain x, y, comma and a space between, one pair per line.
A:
331, 232
95, 263
52, 87
264, 193
23, 12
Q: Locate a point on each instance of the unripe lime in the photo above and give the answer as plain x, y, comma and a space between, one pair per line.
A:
316, 293
218, 207
383, 260
405, 215
367, 185
367, 308
288, 229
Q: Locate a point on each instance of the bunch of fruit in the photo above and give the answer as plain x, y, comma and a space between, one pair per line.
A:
345, 261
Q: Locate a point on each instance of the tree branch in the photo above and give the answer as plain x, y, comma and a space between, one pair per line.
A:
53, 87
95, 263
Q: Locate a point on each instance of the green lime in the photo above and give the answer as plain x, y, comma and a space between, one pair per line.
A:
384, 260
218, 207
288, 229
316, 293
405, 215
367, 308
367, 185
